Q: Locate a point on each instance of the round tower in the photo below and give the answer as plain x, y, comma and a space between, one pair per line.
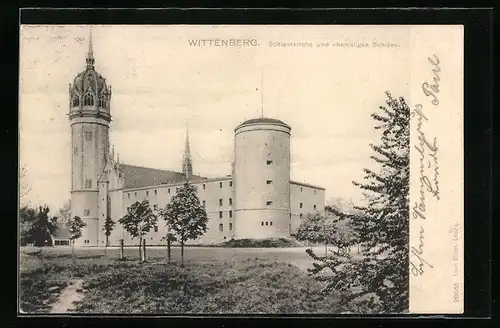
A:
262, 178
89, 116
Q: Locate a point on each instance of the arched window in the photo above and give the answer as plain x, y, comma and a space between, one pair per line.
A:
76, 101
102, 101
88, 100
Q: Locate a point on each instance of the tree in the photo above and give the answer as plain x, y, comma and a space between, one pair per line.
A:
185, 216
169, 238
382, 226
65, 212
316, 228
27, 216
36, 226
24, 187
138, 221
109, 225
75, 226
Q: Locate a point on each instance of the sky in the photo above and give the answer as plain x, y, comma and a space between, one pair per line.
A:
161, 84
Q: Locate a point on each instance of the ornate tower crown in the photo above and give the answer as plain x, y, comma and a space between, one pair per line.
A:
89, 94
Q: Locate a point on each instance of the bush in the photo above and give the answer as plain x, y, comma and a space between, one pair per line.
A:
262, 243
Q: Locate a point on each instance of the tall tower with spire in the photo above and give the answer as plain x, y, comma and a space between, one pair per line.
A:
89, 116
187, 163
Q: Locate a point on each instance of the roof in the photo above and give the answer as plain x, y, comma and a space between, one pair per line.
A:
62, 232
307, 185
139, 176
263, 120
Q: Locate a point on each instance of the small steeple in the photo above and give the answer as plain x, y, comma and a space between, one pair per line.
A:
90, 55
187, 165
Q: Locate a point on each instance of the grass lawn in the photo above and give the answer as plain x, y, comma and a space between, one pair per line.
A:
222, 281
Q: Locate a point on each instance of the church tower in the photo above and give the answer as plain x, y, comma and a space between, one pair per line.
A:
89, 116
187, 163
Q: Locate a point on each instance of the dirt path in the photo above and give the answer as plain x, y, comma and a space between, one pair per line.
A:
69, 295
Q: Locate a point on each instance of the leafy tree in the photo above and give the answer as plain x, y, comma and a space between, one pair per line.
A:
36, 226
24, 187
382, 226
109, 225
185, 216
65, 212
75, 226
138, 221
27, 217
316, 228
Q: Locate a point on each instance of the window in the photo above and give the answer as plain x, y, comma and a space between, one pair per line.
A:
88, 100
168, 190
230, 226
314, 206
204, 204
262, 223
271, 223
88, 135
204, 186
128, 194
176, 189
102, 102
128, 209
221, 227
156, 192
135, 194
301, 215
220, 184
220, 214
230, 183
76, 101
86, 212
267, 223
301, 189
156, 229
269, 181
155, 207
269, 202
230, 214
230, 201
220, 202
301, 205
75, 151
315, 191
88, 184
147, 193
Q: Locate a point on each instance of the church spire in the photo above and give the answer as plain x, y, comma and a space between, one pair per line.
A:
90, 55
187, 165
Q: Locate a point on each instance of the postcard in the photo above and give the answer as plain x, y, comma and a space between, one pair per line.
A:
241, 169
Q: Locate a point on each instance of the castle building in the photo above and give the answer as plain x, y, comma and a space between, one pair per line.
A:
258, 199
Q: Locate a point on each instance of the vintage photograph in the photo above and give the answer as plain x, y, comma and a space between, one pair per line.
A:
179, 170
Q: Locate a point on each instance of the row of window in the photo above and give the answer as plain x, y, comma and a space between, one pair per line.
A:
176, 188
88, 100
267, 223
221, 214
220, 185
302, 205
61, 242
221, 227
302, 189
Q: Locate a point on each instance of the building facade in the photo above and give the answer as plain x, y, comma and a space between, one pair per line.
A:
258, 199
